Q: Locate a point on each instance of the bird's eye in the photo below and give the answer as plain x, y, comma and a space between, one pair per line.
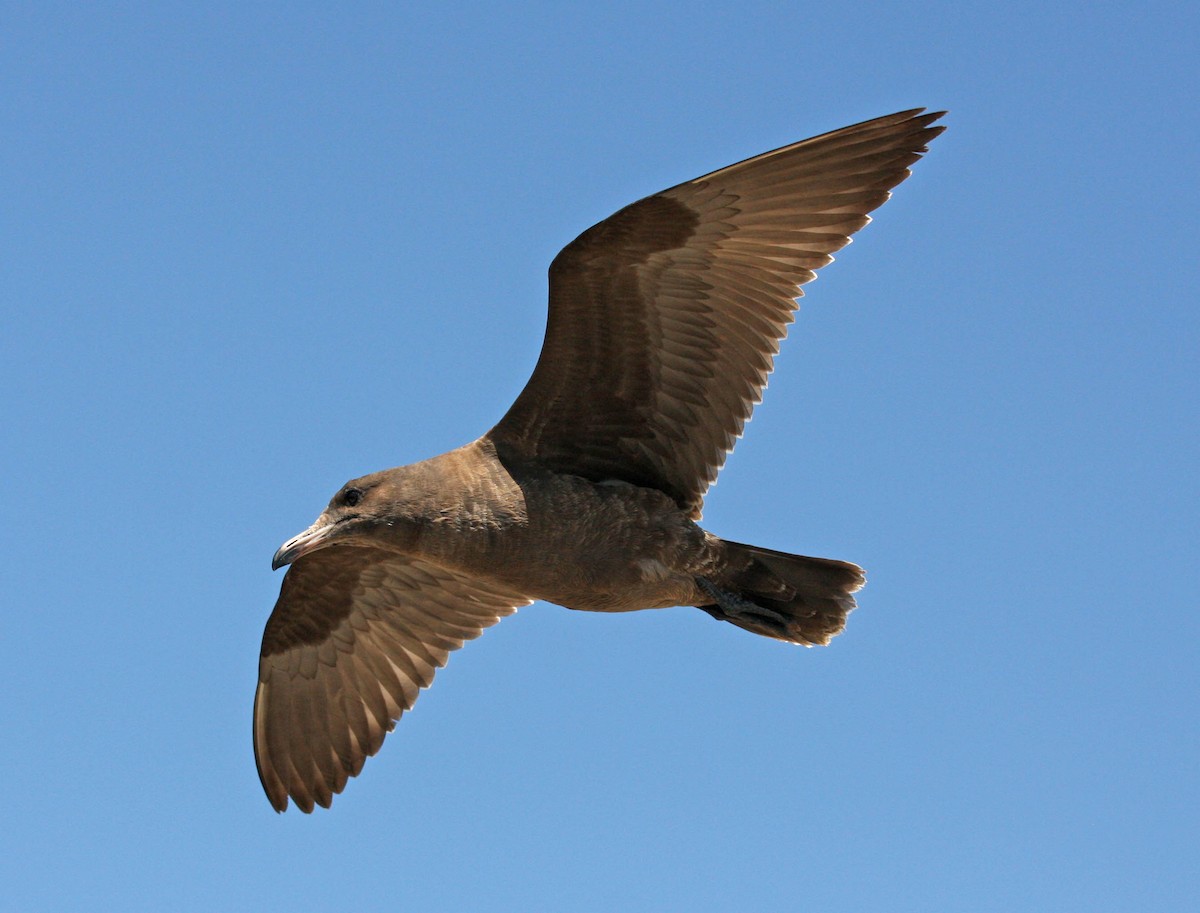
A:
352, 497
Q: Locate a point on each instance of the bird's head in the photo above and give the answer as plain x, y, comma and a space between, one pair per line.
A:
354, 516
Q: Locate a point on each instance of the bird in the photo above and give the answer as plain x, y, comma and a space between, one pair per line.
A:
664, 321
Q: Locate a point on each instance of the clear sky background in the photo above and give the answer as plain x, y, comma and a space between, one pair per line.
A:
249, 251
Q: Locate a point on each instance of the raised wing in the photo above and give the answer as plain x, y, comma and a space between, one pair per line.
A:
355, 635
665, 318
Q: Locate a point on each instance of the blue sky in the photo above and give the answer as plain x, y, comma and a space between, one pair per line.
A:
250, 251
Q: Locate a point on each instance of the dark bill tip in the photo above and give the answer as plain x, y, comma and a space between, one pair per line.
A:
282, 558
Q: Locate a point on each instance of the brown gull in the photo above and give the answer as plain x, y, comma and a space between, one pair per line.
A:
663, 325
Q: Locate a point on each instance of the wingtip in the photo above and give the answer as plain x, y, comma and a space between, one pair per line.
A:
932, 117
921, 116
921, 113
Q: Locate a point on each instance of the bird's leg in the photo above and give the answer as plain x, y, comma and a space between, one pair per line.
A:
737, 606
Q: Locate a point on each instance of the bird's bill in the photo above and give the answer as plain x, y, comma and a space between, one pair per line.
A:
310, 540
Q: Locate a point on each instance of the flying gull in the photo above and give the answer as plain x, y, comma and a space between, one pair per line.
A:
663, 325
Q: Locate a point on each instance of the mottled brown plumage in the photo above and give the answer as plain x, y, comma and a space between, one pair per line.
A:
664, 322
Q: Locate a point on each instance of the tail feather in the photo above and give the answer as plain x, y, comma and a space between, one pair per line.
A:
788, 597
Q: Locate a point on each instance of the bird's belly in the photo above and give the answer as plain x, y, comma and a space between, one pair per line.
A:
597, 574
625, 587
